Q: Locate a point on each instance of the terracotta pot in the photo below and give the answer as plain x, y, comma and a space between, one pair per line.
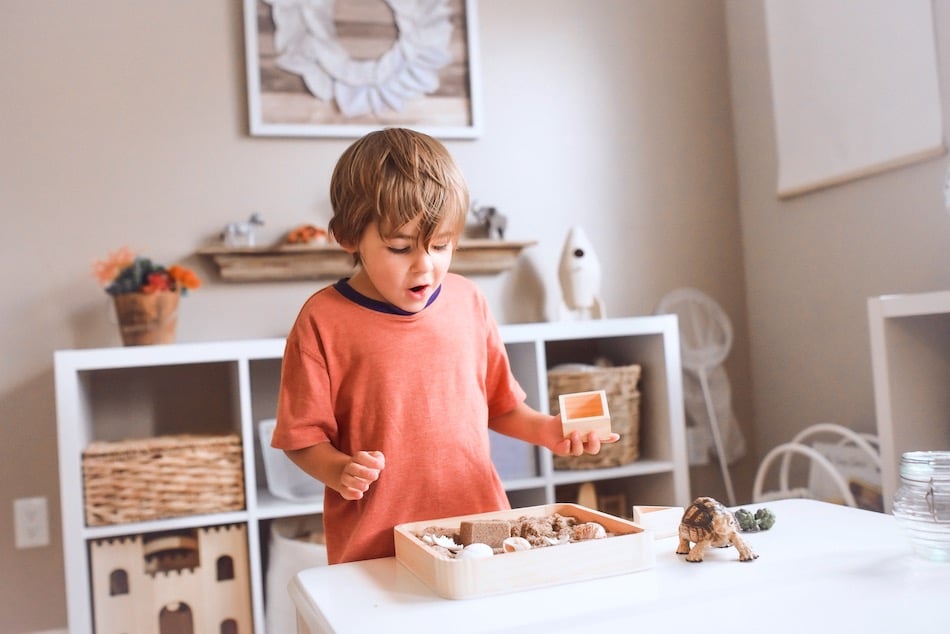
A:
147, 318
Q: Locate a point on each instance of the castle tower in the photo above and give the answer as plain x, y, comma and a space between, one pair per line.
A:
174, 582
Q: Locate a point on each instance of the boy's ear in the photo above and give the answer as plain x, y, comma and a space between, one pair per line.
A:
349, 248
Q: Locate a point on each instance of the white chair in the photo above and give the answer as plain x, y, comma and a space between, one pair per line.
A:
705, 342
784, 452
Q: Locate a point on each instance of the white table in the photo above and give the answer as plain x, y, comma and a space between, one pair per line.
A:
822, 568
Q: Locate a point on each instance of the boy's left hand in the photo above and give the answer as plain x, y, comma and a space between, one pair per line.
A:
575, 445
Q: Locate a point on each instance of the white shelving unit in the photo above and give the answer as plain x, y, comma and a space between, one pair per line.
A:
910, 359
221, 387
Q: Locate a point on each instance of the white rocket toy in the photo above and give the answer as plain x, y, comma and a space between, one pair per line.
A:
579, 273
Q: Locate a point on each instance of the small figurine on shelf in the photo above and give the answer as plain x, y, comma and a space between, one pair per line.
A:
490, 222
307, 234
579, 273
706, 522
241, 234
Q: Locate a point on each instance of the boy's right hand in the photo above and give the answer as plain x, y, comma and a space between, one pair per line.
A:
359, 473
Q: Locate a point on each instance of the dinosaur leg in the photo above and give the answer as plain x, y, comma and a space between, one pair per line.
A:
697, 551
745, 553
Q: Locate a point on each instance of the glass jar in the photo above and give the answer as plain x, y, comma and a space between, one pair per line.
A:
922, 502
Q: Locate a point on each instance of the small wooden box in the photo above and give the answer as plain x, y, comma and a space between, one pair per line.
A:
629, 549
585, 412
664, 521
620, 383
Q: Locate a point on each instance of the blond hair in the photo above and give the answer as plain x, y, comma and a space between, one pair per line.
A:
390, 176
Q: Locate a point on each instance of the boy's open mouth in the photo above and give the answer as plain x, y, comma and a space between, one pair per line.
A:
417, 289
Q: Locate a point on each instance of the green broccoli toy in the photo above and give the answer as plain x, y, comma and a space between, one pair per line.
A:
762, 520
746, 520
765, 519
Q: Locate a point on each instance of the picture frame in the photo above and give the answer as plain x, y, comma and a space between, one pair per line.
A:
351, 67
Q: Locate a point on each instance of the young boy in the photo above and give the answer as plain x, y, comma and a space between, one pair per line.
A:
391, 378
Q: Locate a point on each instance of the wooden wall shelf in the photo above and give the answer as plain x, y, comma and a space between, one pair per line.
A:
320, 261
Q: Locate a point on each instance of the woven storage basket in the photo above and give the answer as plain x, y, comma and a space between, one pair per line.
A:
623, 400
165, 476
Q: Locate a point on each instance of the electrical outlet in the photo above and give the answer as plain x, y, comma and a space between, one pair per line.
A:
31, 521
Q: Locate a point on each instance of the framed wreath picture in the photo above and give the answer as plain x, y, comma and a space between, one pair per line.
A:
341, 68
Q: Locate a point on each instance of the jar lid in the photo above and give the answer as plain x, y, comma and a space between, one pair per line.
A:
925, 463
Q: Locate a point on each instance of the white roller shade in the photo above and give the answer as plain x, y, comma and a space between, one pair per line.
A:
855, 90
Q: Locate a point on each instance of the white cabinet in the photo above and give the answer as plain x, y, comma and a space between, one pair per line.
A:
661, 474
910, 359
221, 387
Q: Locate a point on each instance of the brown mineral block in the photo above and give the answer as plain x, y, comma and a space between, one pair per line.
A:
491, 532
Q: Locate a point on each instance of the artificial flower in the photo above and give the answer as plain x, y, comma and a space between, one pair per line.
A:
125, 272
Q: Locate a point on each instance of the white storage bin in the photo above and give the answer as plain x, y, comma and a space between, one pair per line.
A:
295, 545
285, 479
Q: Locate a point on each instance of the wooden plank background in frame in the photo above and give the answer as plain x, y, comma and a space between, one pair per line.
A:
280, 104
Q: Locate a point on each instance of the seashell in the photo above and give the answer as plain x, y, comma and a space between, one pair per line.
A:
476, 551
441, 540
590, 530
515, 544
557, 541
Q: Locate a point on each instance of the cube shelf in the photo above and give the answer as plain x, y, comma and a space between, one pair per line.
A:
110, 394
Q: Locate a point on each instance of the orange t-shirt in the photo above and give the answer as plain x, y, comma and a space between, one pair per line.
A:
419, 387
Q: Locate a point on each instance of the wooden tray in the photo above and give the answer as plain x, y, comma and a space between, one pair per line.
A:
628, 550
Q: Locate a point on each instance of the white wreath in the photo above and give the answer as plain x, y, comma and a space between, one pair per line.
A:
307, 45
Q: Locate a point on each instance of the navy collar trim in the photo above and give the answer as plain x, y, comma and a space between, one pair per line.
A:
347, 291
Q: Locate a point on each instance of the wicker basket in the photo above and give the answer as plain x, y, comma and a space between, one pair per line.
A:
166, 476
623, 400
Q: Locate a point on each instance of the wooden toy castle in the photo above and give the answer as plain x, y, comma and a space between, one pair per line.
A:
173, 582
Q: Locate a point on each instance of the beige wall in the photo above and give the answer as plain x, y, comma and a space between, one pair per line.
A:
124, 123
812, 261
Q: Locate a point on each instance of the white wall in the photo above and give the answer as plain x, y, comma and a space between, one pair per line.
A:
124, 123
